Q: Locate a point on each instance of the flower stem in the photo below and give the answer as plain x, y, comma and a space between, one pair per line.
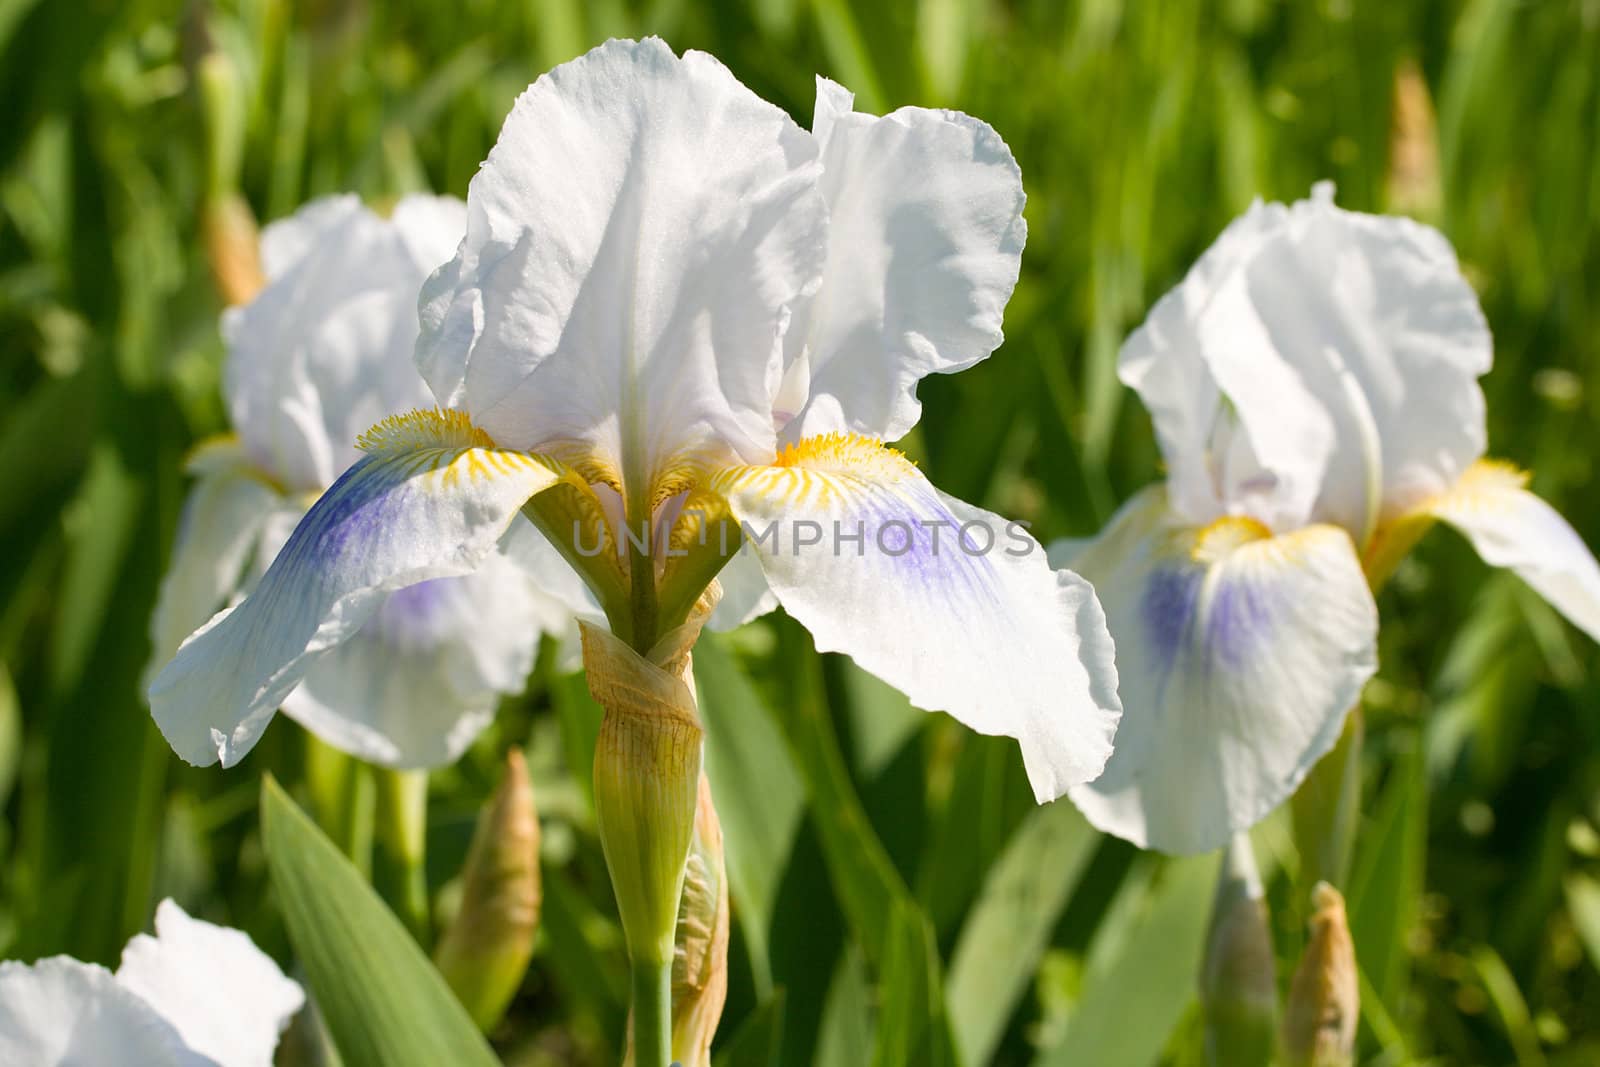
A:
340, 787
402, 833
652, 1013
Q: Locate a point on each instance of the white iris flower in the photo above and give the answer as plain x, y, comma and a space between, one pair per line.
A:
194, 995
324, 351
1313, 382
676, 313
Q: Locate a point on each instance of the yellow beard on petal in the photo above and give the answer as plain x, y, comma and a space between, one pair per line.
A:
852, 453
1224, 535
813, 468
423, 428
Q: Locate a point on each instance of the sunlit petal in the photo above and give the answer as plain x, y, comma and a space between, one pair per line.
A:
950, 604
745, 592
430, 499
633, 244
925, 236
227, 999
1315, 365
1510, 527
1240, 654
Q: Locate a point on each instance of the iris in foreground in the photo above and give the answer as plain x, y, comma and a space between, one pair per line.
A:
193, 995
678, 324
1313, 383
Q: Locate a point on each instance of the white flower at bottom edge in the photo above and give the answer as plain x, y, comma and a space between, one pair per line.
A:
194, 995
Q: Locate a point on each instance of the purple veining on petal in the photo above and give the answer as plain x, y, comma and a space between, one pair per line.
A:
419, 616
1166, 608
1238, 617
923, 537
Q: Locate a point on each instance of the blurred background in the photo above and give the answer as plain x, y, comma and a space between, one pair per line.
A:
889, 868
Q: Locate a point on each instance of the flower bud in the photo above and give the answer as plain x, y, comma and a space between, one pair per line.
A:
232, 243
1238, 981
1414, 187
1319, 1023
485, 951
646, 777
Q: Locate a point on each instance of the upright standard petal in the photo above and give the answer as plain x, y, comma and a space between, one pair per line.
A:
1510, 527
950, 604
324, 351
1239, 653
1346, 347
416, 684
59, 1012
633, 244
429, 499
925, 236
1238, 432
227, 999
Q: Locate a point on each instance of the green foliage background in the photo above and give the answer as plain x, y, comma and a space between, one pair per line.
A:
899, 898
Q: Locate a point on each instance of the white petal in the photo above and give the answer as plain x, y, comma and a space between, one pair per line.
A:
1239, 653
222, 519
1219, 395
62, 1013
227, 998
423, 677
950, 604
1346, 349
429, 501
564, 596
325, 350
1510, 527
745, 592
633, 243
925, 237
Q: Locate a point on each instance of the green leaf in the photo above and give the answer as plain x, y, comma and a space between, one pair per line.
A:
759, 1040
1386, 888
846, 1026
758, 794
1583, 902
382, 1000
912, 1026
1137, 989
1009, 927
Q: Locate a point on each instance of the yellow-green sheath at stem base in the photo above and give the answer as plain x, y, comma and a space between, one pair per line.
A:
485, 950
646, 788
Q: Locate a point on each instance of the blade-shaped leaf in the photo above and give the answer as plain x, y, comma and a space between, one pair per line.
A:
759, 1040
758, 794
382, 1000
1136, 993
1386, 888
1009, 927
